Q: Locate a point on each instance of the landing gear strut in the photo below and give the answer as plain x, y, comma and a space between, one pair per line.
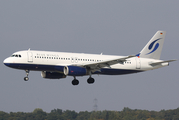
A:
75, 81
27, 74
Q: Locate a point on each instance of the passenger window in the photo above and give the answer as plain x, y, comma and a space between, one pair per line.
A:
16, 55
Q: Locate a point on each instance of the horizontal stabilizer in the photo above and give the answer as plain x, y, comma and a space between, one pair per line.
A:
159, 63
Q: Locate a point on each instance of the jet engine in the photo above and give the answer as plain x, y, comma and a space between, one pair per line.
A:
52, 75
75, 71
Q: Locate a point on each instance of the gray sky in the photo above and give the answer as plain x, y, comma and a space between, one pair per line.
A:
93, 26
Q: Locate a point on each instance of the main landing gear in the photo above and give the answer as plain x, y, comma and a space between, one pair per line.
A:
27, 74
75, 81
90, 80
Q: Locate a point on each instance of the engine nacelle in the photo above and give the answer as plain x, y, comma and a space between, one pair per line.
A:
52, 75
75, 71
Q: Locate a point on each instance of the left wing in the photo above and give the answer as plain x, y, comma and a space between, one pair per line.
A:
96, 66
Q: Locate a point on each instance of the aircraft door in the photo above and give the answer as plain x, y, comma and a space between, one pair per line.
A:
29, 57
138, 63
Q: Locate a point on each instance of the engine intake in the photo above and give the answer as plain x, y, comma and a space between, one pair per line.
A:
52, 75
75, 71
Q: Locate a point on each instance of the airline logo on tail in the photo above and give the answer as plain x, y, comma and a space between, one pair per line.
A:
151, 46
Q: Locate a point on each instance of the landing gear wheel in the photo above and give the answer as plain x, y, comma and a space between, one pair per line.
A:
75, 82
26, 78
90, 80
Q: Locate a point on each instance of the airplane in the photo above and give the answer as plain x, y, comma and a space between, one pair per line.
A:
57, 65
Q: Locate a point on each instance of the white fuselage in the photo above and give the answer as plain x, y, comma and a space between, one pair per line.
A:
56, 61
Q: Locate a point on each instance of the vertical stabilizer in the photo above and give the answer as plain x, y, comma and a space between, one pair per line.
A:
153, 48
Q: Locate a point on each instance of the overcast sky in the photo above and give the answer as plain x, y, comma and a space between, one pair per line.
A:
115, 27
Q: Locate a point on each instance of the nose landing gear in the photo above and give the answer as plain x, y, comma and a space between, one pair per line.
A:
27, 74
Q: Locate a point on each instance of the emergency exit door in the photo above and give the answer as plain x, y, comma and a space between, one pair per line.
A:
138, 63
29, 57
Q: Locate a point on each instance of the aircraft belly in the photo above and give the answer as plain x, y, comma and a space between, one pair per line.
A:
119, 69
108, 71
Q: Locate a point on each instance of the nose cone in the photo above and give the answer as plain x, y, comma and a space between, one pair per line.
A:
6, 62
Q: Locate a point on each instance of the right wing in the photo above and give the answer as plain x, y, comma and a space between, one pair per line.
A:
98, 65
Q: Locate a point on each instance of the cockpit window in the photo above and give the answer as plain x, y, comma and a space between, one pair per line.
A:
15, 55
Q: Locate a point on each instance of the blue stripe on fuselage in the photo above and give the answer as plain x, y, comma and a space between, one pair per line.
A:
109, 71
37, 67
